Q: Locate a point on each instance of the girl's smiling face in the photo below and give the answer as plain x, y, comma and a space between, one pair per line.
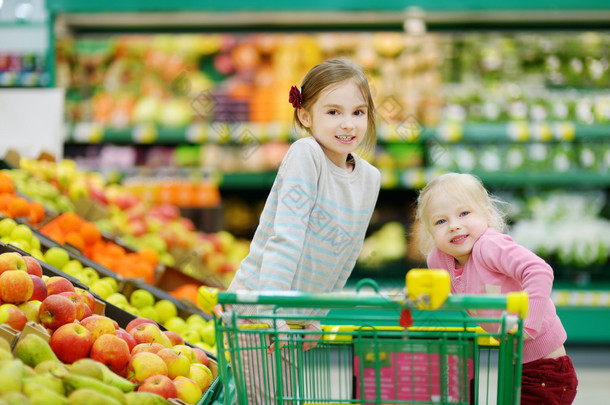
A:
455, 225
338, 120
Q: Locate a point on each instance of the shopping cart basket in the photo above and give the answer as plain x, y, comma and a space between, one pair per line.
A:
421, 347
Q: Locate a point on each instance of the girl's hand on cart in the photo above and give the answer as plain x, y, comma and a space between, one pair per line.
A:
311, 339
281, 337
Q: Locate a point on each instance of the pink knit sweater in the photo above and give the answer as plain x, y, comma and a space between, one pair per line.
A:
498, 265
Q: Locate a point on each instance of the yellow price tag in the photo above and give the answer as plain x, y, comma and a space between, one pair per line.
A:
197, 133
145, 133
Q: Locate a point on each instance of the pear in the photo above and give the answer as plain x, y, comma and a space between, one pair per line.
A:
47, 397
49, 366
89, 396
5, 354
48, 381
14, 398
144, 398
28, 371
88, 367
41, 395
5, 345
32, 350
100, 371
75, 382
11, 372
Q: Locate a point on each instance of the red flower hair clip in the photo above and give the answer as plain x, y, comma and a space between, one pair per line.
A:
295, 97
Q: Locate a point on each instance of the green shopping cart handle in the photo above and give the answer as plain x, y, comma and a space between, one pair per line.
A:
513, 302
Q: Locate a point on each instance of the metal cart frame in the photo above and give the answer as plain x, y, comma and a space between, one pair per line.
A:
364, 355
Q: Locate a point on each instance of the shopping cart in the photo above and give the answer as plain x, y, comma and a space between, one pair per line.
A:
421, 347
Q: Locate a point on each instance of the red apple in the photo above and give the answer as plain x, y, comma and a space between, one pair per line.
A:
187, 351
174, 337
31, 310
201, 356
88, 312
188, 390
147, 347
131, 342
202, 375
143, 365
137, 321
33, 266
16, 286
99, 325
112, 351
146, 333
87, 297
177, 363
55, 311
13, 316
12, 261
40, 288
78, 302
160, 385
71, 342
58, 284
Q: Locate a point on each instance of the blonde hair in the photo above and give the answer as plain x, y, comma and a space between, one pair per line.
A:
331, 72
465, 187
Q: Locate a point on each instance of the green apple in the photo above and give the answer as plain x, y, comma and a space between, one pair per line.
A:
176, 324
21, 244
34, 244
142, 298
90, 275
21, 232
6, 226
101, 288
73, 267
166, 310
191, 336
111, 282
196, 319
117, 298
57, 257
208, 334
37, 253
149, 312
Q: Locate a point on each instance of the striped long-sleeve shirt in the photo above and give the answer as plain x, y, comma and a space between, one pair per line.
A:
312, 226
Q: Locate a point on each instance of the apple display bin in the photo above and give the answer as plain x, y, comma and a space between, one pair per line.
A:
439, 359
46, 268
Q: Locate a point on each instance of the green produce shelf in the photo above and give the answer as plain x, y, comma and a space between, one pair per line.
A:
417, 178
87, 133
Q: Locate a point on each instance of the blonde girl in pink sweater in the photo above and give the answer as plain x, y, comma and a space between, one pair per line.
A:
462, 233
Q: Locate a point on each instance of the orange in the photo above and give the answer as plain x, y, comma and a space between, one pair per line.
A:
188, 290
18, 207
6, 185
69, 222
150, 256
114, 250
90, 233
75, 239
5, 199
37, 212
